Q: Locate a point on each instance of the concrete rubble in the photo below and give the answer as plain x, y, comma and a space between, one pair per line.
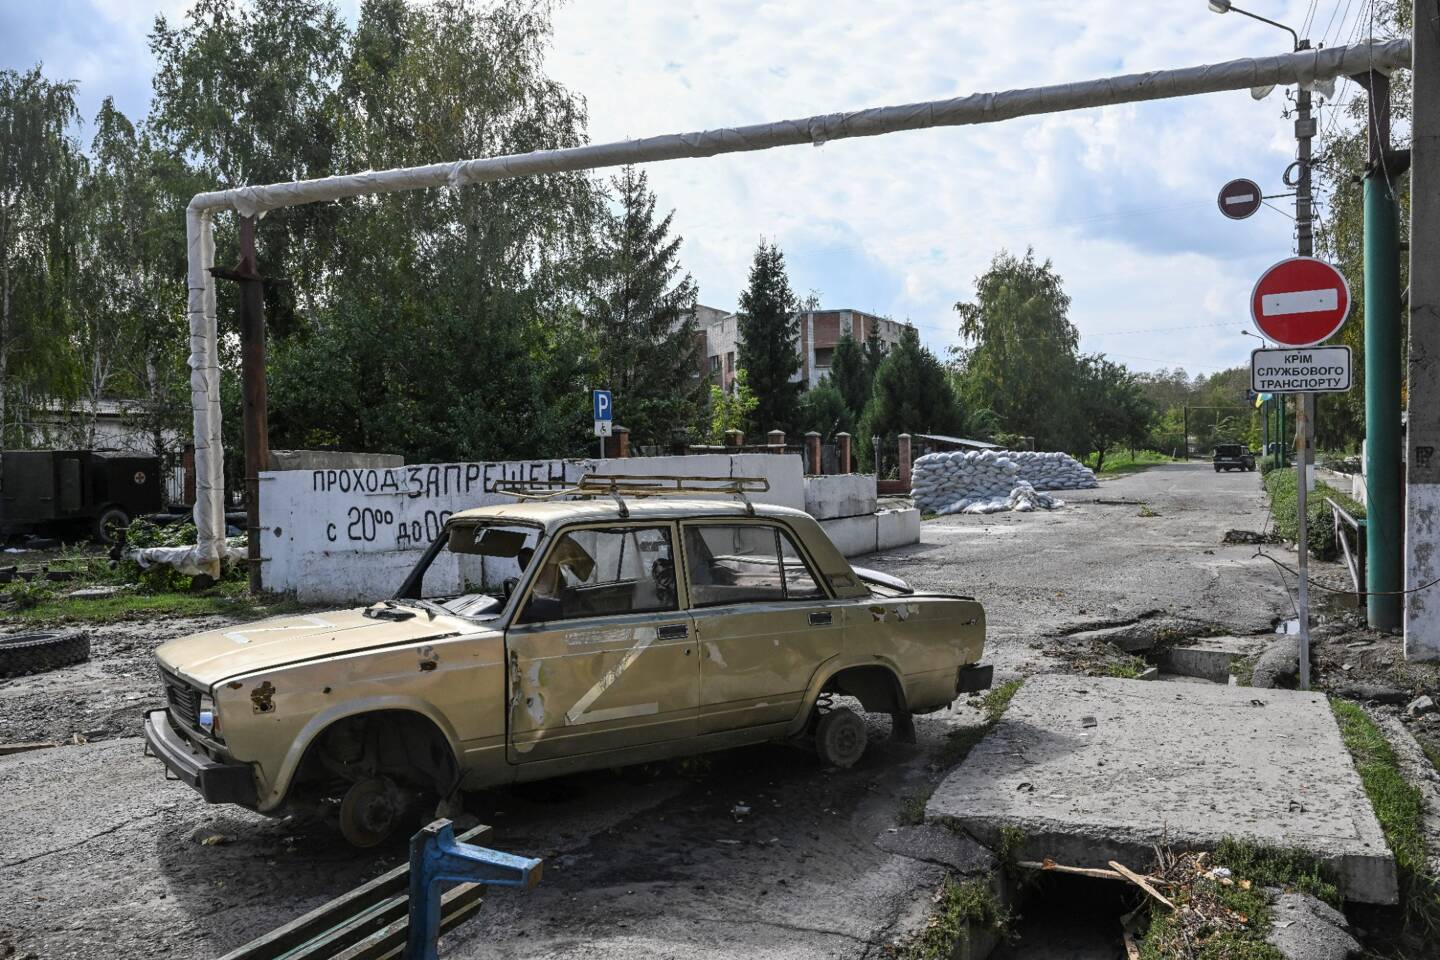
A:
1090, 770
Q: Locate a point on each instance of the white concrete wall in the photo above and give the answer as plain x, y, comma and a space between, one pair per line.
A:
840, 495
353, 534
337, 535
883, 530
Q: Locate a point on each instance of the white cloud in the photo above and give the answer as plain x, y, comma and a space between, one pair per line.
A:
1122, 199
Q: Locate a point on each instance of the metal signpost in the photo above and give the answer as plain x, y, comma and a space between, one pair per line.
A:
1298, 303
604, 416
1239, 199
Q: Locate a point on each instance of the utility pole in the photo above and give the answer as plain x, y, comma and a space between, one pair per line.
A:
1185, 428
1422, 466
1302, 539
252, 369
1305, 129
1383, 546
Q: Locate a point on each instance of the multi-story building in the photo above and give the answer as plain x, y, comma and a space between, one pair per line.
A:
820, 330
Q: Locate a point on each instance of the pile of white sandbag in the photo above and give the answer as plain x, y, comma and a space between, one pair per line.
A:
1053, 471
990, 481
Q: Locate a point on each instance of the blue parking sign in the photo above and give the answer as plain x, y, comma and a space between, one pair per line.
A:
604, 408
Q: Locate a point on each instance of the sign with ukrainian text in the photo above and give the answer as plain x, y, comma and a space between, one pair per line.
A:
1300, 370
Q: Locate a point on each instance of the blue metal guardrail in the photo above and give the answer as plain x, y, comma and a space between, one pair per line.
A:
406, 909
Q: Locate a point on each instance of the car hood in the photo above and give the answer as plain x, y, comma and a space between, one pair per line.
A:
216, 655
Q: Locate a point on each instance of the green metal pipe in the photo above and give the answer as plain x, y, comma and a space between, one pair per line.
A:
1383, 543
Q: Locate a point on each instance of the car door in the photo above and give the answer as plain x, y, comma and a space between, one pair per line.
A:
601, 655
763, 622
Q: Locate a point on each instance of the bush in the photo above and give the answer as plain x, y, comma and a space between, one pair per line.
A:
160, 578
1282, 487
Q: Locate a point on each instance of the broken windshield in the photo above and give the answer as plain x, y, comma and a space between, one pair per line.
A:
472, 569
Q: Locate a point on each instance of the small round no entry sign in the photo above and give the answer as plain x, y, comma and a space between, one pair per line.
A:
1239, 199
1300, 302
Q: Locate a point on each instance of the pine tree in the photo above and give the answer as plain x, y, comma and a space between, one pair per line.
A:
644, 317
851, 374
769, 330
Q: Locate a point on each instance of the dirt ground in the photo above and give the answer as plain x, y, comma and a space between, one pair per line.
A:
100, 856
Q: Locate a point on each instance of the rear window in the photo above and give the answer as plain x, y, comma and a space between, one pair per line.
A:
1228, 450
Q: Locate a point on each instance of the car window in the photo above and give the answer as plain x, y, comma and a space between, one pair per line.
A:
602, 572
745, 563
474, 566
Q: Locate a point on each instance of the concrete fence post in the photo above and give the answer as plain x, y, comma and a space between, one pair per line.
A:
842, 452
904, 455
812, 452
734, 438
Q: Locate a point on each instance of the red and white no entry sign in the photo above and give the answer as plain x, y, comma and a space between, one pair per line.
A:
1239, 199
1300, 302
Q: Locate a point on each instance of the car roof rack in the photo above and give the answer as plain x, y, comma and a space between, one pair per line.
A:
636, 485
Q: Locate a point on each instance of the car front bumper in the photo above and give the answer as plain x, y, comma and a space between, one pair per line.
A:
217, 782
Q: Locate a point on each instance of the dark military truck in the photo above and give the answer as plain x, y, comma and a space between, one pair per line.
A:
1233, 456
76, 492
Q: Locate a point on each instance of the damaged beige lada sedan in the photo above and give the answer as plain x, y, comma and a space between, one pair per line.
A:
545, 637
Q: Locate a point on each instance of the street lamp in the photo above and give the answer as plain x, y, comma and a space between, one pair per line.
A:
1225, 6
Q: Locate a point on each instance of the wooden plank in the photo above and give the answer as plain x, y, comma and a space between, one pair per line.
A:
1140, 882
1054, 867
456, 906
337, 914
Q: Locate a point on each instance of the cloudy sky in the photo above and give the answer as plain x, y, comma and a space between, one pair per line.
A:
1122, 199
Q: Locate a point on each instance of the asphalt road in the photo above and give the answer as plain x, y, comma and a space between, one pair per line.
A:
1141, 544
101, 857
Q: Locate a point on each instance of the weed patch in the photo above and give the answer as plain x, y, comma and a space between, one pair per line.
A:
962, 908
1284, 507
959, 743
1222, 911
1399, 806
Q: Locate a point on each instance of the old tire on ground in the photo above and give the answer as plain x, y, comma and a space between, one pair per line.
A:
840, 737
22, 653
370, 812
110, 525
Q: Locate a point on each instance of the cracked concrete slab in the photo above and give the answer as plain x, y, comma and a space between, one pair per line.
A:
1094, 769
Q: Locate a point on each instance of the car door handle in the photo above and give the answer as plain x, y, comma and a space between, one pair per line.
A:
675, 631
820, 618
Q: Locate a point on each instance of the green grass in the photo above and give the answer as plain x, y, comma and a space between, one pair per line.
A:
1399, 806
912, 808
1126, 666
47, 605
1269, 867
1124, 462
963, 907
1282, 486
959, 743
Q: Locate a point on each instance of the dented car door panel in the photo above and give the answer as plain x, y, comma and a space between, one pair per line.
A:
588, 685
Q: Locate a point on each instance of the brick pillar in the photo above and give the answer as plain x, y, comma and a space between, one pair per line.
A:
620, 439
812, 452
842, 450
776, 440
904, 456
734, 438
